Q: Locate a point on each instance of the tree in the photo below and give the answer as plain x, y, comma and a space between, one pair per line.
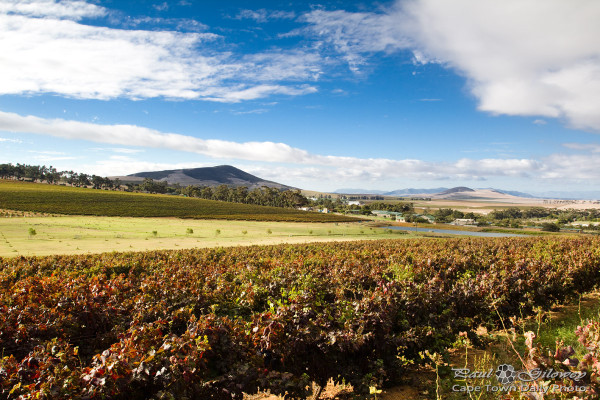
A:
83, 180
221, 193
52, 175
97, 181
206, 192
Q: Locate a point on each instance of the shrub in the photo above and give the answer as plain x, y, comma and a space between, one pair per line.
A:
550, 227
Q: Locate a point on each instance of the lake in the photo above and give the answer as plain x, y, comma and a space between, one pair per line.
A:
455, 232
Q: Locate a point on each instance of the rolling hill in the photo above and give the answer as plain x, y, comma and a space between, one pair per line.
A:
57, 199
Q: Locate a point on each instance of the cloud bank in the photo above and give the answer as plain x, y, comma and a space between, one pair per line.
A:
307, 165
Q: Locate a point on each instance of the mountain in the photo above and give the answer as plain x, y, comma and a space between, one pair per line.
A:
459, 189
359, 191
208, 176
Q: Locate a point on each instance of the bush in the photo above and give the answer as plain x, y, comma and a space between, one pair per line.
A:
189, 231
550, 227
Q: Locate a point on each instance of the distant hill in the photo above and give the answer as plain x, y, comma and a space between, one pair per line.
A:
458, 193
399, 192
465, 193
515, 193
408, 192
359, 191
459, 189
208, 176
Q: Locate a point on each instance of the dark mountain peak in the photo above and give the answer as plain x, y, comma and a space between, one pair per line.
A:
208, 176
222, 173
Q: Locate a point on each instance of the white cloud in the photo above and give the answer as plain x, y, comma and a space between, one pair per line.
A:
355, 35
262, 15
45, 159
74, 10
121, 150
127, 151
140, 136
255, 111
335, 168
119, 167
45, 50
592, 147
6, 140
161, 7
293, 65
180, 24
231, 95
581, 167
521, 57
50, 156
48, 152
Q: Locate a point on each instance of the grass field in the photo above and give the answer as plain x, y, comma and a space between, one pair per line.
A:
43, 198
89, 234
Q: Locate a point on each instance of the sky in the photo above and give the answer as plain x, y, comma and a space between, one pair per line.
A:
378, 95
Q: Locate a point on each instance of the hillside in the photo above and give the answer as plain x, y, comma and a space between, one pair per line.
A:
54, 199
208, 176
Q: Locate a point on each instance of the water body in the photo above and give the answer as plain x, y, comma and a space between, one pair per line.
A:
455, 232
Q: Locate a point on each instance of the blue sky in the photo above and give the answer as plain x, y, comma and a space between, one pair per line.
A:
325, 95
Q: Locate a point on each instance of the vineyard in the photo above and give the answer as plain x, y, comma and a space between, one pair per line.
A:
217, 323
53, 199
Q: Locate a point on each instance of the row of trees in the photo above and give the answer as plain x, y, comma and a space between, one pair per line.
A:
265, 196
36, 173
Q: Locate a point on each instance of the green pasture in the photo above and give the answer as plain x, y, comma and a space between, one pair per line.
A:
90, 234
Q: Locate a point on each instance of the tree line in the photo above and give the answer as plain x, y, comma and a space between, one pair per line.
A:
36, 173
